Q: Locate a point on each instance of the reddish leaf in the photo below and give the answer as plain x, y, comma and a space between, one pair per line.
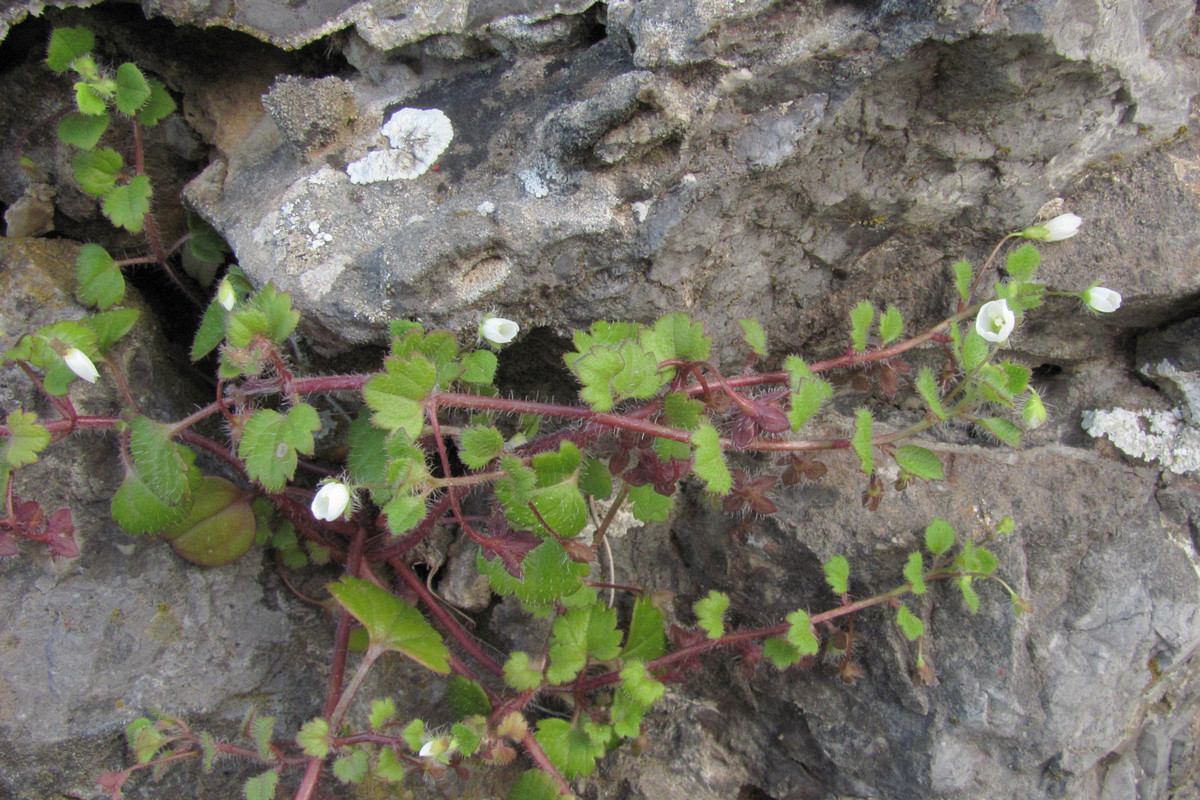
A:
508, 545
28, 517
768, 416
60, 535
111, 783
8, 545
652, 469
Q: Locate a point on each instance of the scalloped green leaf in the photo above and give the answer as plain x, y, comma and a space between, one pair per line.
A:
126, 206
963, 276
110, 326
96, 171
101, 283
89, 99
939, 536
66, 45
861, 317
479, 367
313, 738
800, 635
891, 325
797, 370
648, 505
837, 574
82, 130
928, 388
570, 747
466, 698
780, 652
676, 336
519, 674
392, 624
270, 443
133, 90
547, 575
754, 335
914, 572
158, 106
909, 623
807, 400
709, 462
381, 712
1023, 262
479, 445
710, 613
647, 639
534, 784
26, 438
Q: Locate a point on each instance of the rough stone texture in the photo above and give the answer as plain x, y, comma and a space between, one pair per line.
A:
758, 158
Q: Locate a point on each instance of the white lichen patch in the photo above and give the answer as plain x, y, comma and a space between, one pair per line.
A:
1163, 436
418, 136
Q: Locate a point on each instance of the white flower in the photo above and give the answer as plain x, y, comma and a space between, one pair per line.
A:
498, 330
225, 294
1097, 298
81, 365
1064, 226
995, 321
330, 501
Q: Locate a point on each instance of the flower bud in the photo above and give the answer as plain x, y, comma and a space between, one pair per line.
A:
330, 501
995, 321
81, 365
1097, 298
1064, 226
225, 294
1033, 413
498, 330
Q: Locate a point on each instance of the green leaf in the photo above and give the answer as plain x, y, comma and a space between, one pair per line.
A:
914, 572
209, 748
780, 652
82, 130
601, 334
595, 479
144, 739
939, 537
911, 625
313, 738
837, 574
571, 748
164, 467
1016, 377
755, 337
96, 171
1023, 262
617, 373
682, 411
261, 729
270, 442
801, 635
578, 634
414, 734
861, 441
392, 624
676, 336
647, 638
547, 575
479, 367
710, 613
132, 88
389, 767
648, 505
626, 715
534, 785
261, 787
66, 45
641, 687
861, 317
381, 711
891, 325
139, 510
127, 206
211, 331
205, 243
352, 767
519, 675
159, 106
963, 276
26, 438
479, 446
396, 396
927, 386
806, 401
968, 593
404, 512
466, 698
920, 462
110, 326
467, 736
797, 371
975, 350
101, 283
89, 99
1002, 429
709, 462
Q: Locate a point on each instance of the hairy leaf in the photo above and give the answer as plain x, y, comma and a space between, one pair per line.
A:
780, 652
755, 337
1002, 429
96, 171
271, 441
261, 787
101, 283
963, 275
914, 572
26, 438
710, 613
392, 624
132, 88
927, 386
519, 674
479, 445
1023, 262
66, 45
313, 738
891, 325
466, 698
534, 785
911, 625
920, 462
158, 106
211, 331
127, 206
837, 574
861, 441
800, 635
939, 537
709, 462
647, 638
82, 130
861, 317
807, 401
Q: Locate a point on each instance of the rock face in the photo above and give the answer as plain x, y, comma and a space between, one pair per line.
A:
758, 158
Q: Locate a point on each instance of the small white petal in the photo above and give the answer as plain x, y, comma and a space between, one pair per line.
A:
995, 321
225, 294
330, 501
1064, 226
498, 330
1101, 299
81, 365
